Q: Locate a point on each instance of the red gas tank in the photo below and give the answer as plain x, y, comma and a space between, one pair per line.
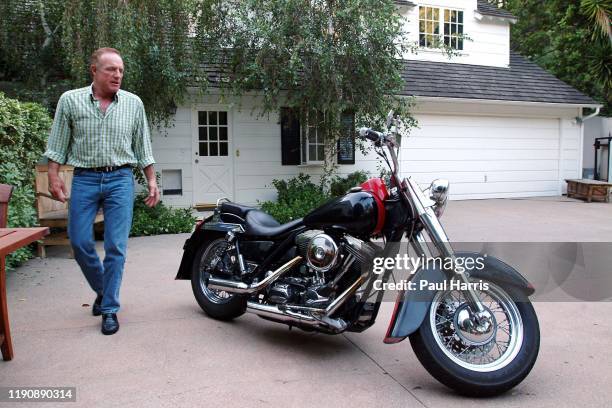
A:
378, 188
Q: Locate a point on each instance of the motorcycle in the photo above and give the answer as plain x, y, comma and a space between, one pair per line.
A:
474, 331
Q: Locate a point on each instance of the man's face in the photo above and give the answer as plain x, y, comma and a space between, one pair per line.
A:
108, 73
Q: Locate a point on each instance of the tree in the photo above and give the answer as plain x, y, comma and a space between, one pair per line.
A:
45, 46
569, 39
598, 11
321, 57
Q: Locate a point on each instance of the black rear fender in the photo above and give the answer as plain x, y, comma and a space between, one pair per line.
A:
200, 235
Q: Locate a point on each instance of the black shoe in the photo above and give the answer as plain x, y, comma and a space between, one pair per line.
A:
96, 309
110, 324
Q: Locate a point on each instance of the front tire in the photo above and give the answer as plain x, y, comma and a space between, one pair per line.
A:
479, 366
217, 304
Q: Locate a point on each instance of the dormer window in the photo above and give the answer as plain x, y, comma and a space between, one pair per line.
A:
439, 24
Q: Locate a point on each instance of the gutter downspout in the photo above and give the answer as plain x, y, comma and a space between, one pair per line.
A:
579, 120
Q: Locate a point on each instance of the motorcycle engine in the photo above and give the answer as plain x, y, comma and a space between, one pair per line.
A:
327, 265
319, 250
311, 286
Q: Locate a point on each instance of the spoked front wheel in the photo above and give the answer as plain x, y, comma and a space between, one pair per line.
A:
479, 357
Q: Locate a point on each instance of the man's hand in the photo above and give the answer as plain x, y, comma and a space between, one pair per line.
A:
57, 188
153, 197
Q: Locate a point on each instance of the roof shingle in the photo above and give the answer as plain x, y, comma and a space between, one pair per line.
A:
404, 3
484, 7
488, 9
524, 81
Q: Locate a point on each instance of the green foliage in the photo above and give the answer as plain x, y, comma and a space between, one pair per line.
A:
298, 196
49, 43
339, 186
566, 38
599, 12
23, 136
330, 56
159, 219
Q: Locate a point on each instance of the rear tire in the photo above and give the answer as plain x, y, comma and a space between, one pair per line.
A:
443, 354
219, 305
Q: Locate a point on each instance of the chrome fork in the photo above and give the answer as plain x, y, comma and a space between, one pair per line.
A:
423, 208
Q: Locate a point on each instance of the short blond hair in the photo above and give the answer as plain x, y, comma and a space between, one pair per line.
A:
95, 56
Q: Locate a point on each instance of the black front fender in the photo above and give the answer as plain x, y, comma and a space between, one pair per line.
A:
412, 308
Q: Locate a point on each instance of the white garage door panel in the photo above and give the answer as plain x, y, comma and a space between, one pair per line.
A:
489, 122
491, 176
460, 155
504, 187
413, 166
487, 157
482, 143
491, 133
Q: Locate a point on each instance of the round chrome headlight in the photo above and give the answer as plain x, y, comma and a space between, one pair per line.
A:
438, 192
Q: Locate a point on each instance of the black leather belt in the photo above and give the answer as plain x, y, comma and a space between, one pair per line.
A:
106, 169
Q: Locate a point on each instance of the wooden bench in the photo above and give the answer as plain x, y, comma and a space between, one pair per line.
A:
589, 190
53, 213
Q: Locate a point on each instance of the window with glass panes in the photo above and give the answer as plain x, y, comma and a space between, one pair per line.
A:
213, 133
453, 29
313, 141
430, 21
429, 26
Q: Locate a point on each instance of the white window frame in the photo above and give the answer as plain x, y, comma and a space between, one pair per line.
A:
439, 22
217, 126
307, 130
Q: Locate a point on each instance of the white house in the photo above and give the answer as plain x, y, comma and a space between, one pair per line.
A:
493, 123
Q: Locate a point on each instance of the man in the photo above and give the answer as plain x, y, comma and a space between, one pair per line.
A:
102, 131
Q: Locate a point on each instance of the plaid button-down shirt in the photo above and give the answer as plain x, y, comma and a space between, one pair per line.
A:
83, 136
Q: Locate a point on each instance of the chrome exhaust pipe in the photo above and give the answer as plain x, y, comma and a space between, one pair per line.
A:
339, 301
273, 312
333, 307
243, 288
287, 316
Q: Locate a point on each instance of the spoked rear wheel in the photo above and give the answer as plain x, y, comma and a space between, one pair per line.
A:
479, 359
212, 258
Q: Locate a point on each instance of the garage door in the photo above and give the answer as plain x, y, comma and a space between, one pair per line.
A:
487, 157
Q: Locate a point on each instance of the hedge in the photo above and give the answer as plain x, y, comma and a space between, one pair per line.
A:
24, 128
298, 196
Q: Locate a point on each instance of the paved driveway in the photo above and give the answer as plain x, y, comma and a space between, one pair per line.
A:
168, 353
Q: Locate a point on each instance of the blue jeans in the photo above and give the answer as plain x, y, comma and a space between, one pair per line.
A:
114, 193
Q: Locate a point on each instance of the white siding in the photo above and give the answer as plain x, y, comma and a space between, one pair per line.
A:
258, 139
570, 152
489, 40
172, 150
486, 150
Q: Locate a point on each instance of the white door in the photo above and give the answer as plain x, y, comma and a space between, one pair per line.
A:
487, 157
213, 165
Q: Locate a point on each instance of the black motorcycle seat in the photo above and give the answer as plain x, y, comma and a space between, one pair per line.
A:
261, 224
236, 209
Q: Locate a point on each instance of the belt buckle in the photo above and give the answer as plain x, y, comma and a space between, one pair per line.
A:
108, 169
